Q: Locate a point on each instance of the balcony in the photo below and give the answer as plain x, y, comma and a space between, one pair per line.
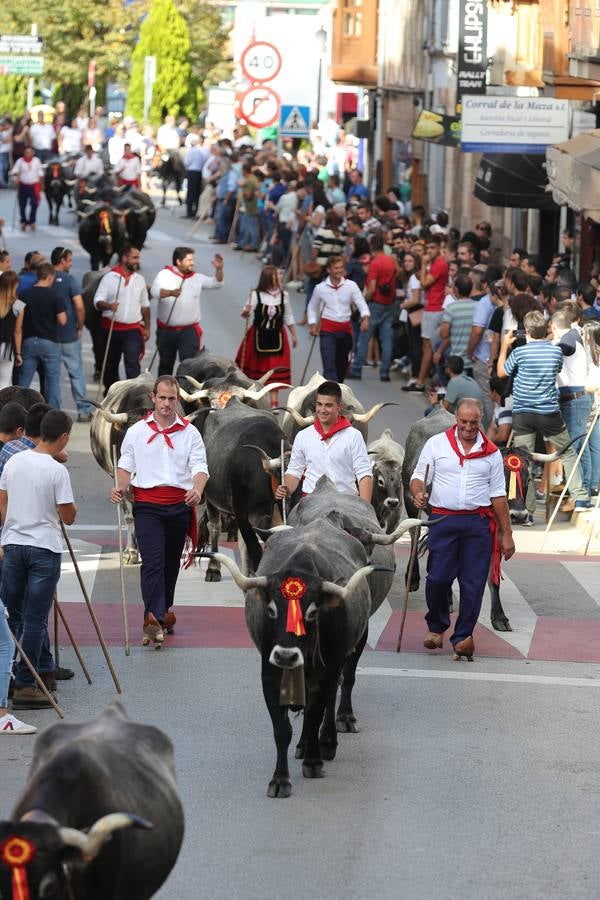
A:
354, 49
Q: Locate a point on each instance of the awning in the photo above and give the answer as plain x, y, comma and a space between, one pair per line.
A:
516, 180
574, 173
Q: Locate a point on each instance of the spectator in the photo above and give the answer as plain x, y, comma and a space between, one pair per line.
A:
69, 335
249, 233
195, 158
41, 136
12, 423
357, 189
6, 140
478, 349
500, 426
70, 139
5, 263
586, 300
465, 254
167, 136
517, 256
380, 293
11, 311
434, 277
226, 192
460, 386
456, 324
27, 275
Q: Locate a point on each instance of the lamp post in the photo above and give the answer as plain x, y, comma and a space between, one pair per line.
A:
321, 37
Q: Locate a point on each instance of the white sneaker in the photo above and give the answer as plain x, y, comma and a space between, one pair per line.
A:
11, 725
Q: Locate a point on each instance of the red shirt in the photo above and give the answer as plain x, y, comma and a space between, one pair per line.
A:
434, 296
382, 270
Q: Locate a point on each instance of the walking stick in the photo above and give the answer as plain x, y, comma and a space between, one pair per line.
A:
121, 569
234, 221
312, 346
108, 340
56, 648
282, 476
414, 548
171, 311
47, 694
570, 478
88, 603
62, 618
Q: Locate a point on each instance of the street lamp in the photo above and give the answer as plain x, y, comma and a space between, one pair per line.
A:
321, 38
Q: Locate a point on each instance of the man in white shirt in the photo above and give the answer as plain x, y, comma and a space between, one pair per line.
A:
89, 165
70, 139
28, 172
35, 496
128, 169
466, 485
330, 447
167, 136
42, 136
122, 296
177, 289
329, 312
164, 459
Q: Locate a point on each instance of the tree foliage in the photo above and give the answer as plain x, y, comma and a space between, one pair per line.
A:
209, 40
164, 34
13, 95
75, 32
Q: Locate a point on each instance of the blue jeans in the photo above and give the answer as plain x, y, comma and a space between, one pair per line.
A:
335, 348
7, 650
71, 356
381, 318
38, 351
223, 218
29, 579
4, 166
249, 235
575, 414
594, 445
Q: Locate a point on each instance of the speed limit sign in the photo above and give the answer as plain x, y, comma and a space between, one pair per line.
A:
261, 61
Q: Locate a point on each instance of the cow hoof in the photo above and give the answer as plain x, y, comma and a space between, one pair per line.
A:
328, 749
345, 723
300, 751
131, 558
213, 575
501, 624
312, 768
279, 787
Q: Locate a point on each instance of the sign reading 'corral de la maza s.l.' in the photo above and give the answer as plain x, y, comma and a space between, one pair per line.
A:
472, 49
513, 124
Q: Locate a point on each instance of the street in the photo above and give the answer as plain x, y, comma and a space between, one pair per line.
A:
465, 779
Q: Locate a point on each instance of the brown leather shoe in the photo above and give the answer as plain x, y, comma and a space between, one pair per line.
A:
29, 697
465, 648
153, 632
170, 620
434, 641
49, 679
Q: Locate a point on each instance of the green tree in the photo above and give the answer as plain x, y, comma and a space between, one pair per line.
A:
75, 32
210, 56
13, 95
164, 34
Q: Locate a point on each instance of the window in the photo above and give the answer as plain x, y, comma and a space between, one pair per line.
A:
352, 18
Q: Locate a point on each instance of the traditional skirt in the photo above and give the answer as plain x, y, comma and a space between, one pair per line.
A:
255, 364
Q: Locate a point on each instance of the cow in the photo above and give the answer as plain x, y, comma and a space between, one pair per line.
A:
100, 815
137, 213
169, 167
91, 190
58, 181
222, 379
387, 456
101, 233
307, 610
300, 408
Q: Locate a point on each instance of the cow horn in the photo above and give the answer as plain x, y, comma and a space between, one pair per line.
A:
302, 421
70, 181
258, 395
552, 457
114, 418
344, 591
192, 398
199, 385
144, 209
269, 465
264, 378
243, 581
405, 525
363, 418
87, 202
83, 215
90, 190
90, 843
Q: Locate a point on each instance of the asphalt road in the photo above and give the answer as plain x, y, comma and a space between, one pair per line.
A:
466, 778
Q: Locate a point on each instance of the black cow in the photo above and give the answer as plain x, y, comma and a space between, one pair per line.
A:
58, 181
137, 213
99, 817
101, 233
91, 190
169, 167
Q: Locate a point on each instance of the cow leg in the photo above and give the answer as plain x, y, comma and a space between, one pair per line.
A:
213, 571
312, 765
498, 617
131, 554
164, 197
346, 720
280, 784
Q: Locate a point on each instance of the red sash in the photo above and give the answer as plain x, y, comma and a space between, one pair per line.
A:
193, 325
488, 513
331, 327
122, 182
340, 425
164, 495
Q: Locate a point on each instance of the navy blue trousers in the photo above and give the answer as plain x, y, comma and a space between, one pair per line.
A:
335, 349
126, 344
160, 531
460, 547
170, 343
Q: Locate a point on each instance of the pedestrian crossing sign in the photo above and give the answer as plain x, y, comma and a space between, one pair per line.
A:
294, 121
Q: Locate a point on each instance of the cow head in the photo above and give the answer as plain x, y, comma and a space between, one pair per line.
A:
37, 855
517, 472
387, 493
218, 395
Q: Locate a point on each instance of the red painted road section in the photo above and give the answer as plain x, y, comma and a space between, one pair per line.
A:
567, 640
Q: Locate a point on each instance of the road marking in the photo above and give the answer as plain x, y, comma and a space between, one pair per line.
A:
586, 575
378, 622
88, 558
521, 616
471, 675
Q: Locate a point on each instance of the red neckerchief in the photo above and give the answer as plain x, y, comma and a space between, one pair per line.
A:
177, 426
341, 423
336, 287
124, 275
176, 271
486, 450
129, 156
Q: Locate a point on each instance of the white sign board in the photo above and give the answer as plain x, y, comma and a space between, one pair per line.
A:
513, 124
21, 43
221, 109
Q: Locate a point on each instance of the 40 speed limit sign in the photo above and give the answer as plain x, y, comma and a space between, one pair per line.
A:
261, 62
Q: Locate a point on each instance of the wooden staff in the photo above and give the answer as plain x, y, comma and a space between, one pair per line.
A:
121, 567
312, 346
62, 618
88, 603
414, 549
108, 340
282, 477
246, 321
47, 694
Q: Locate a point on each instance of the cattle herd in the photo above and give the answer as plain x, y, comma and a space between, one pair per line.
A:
310, 586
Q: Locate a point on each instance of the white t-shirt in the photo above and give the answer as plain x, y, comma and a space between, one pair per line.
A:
71, 139
168, 138
41, 136
36, 484
343, 458
413, 285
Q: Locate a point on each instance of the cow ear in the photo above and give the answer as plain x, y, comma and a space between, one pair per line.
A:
330, 601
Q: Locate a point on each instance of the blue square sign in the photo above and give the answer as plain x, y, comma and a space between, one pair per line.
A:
294, 121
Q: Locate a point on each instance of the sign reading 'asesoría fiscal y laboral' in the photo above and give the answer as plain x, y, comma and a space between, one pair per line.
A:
513, 124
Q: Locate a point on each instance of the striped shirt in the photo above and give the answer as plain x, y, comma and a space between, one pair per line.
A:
12, 447
327, 244
535, 367
460, 317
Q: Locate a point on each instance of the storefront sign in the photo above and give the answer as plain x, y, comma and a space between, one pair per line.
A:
472, 49
21, 65
513, 124
437, 128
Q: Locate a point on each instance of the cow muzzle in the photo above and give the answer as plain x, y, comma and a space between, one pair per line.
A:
286, 657
391, 503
